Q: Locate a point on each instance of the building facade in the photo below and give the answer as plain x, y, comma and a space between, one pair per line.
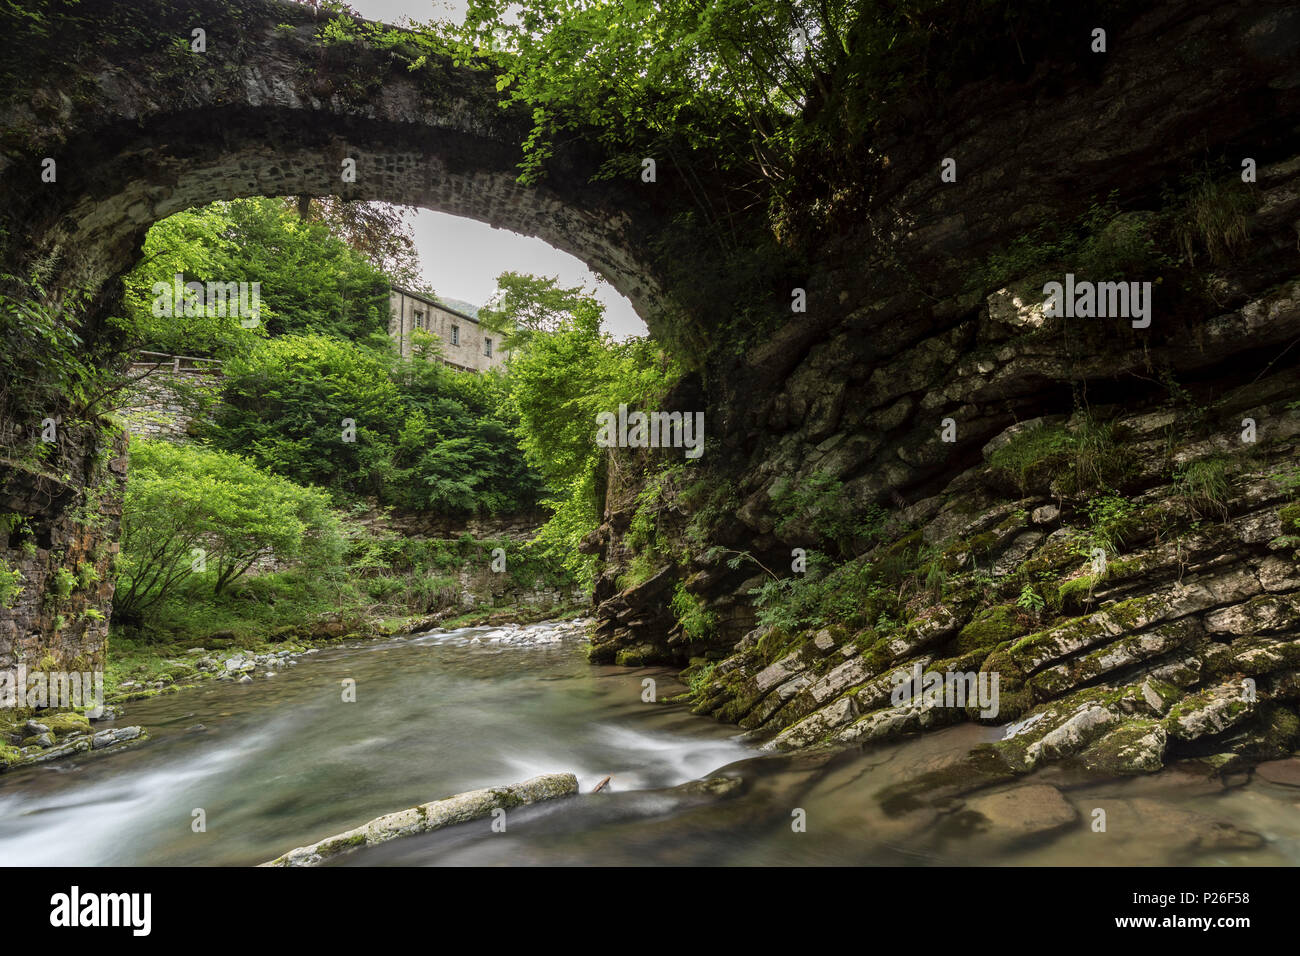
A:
465, 343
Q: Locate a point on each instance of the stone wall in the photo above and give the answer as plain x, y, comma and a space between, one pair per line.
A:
476, 584
167, 396
482, 588
59, 517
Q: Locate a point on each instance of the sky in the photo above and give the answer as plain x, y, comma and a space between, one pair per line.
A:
461, 258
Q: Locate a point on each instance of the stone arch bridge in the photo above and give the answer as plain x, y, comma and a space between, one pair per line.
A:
140, 127
895, 338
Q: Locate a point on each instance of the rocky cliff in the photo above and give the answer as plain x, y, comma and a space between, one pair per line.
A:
926, 470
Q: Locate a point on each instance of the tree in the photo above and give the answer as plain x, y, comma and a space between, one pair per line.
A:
192, 510
559, 382
313, 281
307, 279
316, 409
424, 437
525, 305
379, 231
198, 245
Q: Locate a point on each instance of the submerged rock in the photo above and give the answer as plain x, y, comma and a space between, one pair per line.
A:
1284, 772
1035, 810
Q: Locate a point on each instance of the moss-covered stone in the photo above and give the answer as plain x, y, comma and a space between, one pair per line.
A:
66, 723
1136, 746
991, 627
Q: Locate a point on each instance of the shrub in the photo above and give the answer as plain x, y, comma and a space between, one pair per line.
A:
819, 504
181, 498
1111, 520
697, 622
10, 586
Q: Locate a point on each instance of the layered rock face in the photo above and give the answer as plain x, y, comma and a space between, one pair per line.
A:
1099, 512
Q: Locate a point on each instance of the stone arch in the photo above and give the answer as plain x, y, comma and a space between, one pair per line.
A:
139, 128
276, 113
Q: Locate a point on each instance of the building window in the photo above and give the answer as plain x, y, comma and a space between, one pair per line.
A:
419, 319
487, 347
455, 335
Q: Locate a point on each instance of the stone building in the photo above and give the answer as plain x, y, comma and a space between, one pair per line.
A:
465, 343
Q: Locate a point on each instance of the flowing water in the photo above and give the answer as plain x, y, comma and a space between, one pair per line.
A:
284, 762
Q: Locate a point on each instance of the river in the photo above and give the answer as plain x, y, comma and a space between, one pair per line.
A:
285, 761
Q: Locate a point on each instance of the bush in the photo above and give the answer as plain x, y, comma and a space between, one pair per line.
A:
10, 585
192, 511
698, 623
820, 505
853, 594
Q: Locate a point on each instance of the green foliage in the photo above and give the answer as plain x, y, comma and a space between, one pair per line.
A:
819, 505
700, 676
1030, 600
181, 498
62, 583
722, 77
285, 404
1085, 458
525, 306
853, 594
1203, 485
247, 612
1103, 244
644, 534
426, 437
86, 574
419, 575
559, 382
1289, 480
1111, 520
1210, 218
46, 363
698, 623
310, 280
1290, 518
783, 99
10, 585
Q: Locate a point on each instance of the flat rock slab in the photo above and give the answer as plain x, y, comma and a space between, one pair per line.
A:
1285, 772
1024, 811
461, 808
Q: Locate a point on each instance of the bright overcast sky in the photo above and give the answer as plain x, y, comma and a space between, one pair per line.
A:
461, 258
